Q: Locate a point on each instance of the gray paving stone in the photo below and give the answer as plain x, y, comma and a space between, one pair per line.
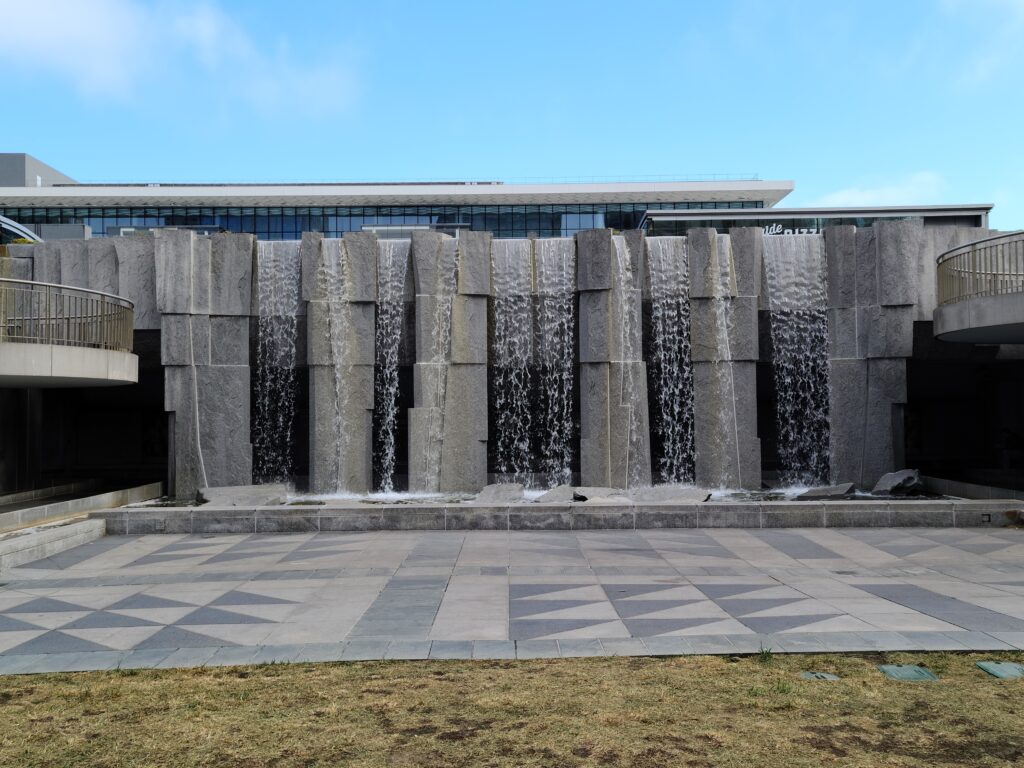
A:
712, 645
313, 652
624, 646
187, 658
364, 650
451, 649
96, 661
537, 649
144, 659
667, 646
806, 642
408, 649
20, 664
494, 649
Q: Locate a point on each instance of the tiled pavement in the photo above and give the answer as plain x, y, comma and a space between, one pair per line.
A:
176, 601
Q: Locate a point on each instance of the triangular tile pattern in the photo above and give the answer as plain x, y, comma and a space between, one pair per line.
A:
56, 642
45, 605
176, 637
11, 624
742, 600
534, 629
218, 616
143, 601
237, 597
108, 620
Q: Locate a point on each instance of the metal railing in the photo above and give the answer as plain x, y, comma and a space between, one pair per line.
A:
45, 313
988, 267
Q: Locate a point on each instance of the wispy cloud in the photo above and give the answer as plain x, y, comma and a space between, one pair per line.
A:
921, 188
116, 50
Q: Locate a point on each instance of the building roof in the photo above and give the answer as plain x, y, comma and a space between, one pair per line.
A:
430, 193
886, 211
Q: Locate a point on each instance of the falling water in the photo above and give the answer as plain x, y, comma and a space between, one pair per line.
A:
277, 266
556, 320
511, 353
723, 289
392, 264
794, 272
672, 369
339, 321
629, 353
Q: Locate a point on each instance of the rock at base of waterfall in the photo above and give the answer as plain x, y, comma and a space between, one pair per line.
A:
671, 494
560, 494
827, 492
902, 483
267, 495
500, 493
597, 493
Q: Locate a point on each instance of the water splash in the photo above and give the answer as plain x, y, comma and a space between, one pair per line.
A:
277, 270
555, 260
511, 355
339, 336
797, 302
671, 366
392, 265
723, 289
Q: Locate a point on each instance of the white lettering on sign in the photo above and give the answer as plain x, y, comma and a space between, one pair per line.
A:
777, 229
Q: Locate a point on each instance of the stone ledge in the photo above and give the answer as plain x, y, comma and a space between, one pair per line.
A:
564, 517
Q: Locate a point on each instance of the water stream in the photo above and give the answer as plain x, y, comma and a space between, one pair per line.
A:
626, 295
278, 270
392, 265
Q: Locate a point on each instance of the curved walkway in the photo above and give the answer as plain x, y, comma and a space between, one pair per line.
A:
180, 601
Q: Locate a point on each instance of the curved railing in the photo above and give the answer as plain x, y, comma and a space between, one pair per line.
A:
45, 313
988, 267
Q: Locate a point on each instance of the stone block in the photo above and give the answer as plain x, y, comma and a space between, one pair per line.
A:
323, 438
931, 514
224, 392
748, 255
792, 516
628, 426
500, 493
728, 452
637, 255
425, 449
701, 250
229, 340
885, 331
476, 519
185, 340
595, 402
603, 519
74, 262
474, 257
544, 519
102, 260
426, 378
847, 402
224, 521
412, 519
341, 436
886, 387
464, 440
841, 263
899, 254
276, 522
842, 332
354, 324
595, 265
427, 326
665, 516
136, 277
711, 515
594, 326
361, 254
145, 523
852, 514
231, 277
369, 520
469, 329
174, 270
740, 342
16, 267
433, 258
47, 262
866, 279
310, 250
180, 386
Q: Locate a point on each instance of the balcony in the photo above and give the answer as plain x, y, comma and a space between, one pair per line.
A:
60, 336
981, 291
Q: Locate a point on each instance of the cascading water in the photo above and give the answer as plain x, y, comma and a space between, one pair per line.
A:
392, 265
511, 354
339, 321
277, 268
555, 261
797, 301
629, 353
724, 288
671, 371
445, 279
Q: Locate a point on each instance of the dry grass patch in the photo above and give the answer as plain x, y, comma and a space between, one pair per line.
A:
694, 711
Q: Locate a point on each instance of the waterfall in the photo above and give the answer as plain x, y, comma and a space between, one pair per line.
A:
277, 269
511, 355
795, 276
724, 288
392, 264
671, 367
629, 354
556, 321
338, 330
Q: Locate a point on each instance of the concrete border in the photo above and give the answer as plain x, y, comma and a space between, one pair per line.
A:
565, 517
33, 544
20, 518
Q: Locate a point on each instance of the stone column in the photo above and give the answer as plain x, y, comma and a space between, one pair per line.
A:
725, 283
614, 433
448, 423
341, 326
205, 359
873, 291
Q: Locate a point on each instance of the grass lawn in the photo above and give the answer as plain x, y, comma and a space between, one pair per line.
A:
694, 711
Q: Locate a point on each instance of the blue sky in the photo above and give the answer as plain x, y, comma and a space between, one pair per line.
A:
857, 102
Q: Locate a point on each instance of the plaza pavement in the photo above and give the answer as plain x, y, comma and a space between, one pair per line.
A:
205, 600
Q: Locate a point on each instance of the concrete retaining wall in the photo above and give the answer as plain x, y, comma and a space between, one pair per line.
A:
19, 518
36, 543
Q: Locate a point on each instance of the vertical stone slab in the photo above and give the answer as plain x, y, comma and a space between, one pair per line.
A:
47, 263
174, 270
899, 256
102, 257
231, 274
464, 437
841, 264
74, 262
474, 263
312, 260
595, 404
748, 258
136, 277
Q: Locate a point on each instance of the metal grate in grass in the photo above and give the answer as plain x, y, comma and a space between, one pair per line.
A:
907, 672
818, 676
1004, 670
